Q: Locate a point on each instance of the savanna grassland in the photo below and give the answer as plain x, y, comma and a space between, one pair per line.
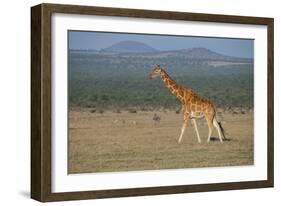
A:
134, 141
112, 104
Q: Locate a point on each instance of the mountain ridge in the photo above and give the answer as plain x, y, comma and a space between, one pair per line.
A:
140, 49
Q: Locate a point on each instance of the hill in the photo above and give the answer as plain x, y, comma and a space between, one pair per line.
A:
199, 53
129, 47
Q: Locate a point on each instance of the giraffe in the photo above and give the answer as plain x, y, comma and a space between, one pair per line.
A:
193, 106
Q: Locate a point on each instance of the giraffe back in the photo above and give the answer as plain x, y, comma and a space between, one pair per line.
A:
196, 104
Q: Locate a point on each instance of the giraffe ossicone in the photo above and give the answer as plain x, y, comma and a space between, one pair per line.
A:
193, 106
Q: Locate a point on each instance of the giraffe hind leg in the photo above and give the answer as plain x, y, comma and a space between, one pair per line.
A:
216, 125
210, 125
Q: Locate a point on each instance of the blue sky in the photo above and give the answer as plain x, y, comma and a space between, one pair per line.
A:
100, 40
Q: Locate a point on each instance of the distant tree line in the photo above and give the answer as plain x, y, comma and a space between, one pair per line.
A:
116, 82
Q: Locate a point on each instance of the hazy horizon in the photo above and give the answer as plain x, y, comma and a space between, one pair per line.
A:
87, 40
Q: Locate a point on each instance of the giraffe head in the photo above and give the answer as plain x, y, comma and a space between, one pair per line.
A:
155, 72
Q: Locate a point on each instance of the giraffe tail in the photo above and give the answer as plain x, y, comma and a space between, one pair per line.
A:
222, 130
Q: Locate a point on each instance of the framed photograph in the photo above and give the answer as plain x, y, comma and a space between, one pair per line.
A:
130, 102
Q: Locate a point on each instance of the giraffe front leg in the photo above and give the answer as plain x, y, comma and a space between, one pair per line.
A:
183, 109
196, 129
185, 124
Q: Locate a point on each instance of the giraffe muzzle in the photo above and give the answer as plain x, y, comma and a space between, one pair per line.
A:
152, 76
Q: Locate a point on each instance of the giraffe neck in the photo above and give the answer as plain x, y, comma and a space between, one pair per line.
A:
174, 88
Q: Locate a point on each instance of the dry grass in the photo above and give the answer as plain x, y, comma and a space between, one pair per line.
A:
134, 141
